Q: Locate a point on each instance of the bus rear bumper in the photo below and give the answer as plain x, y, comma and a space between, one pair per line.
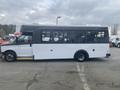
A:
108, 55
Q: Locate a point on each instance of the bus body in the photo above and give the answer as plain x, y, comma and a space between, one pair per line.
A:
58, 42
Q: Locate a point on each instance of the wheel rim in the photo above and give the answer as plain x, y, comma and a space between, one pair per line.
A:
10, 57
81, 57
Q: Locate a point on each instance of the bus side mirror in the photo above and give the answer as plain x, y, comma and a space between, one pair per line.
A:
16, 41
30, 44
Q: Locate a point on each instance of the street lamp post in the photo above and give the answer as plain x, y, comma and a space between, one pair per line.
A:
58, 17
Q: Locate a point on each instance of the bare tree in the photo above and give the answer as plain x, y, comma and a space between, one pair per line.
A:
7, 29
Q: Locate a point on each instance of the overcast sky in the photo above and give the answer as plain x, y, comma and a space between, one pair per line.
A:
72, 12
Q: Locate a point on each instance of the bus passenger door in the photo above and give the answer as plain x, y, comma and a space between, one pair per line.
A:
25, 47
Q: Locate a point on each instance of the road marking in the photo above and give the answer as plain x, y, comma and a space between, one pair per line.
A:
81, 73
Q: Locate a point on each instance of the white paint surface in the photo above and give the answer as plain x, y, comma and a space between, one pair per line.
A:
20, 50
57, 51
81, 73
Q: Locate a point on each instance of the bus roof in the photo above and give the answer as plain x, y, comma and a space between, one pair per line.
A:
31, 28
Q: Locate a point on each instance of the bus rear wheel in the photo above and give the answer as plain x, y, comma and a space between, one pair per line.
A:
81, 56
10, 56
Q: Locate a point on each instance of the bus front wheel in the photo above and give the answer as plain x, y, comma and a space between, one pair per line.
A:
118, 45
10, 56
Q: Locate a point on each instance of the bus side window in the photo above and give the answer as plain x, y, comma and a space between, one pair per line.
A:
66, 39
55, 36
80, 37
60, 37
30, 39
100, 36
46, 36
90, 37
24, 39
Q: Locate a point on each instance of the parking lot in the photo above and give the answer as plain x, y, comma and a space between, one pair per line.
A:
95, 74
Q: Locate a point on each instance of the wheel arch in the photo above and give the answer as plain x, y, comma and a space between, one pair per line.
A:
10, 51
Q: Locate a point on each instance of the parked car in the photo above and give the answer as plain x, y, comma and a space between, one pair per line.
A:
115, 41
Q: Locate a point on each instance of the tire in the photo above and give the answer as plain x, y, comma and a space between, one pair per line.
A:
81, 56
10, 56
118, 45
113, 44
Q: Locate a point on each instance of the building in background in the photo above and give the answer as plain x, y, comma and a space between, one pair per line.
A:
115, 29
